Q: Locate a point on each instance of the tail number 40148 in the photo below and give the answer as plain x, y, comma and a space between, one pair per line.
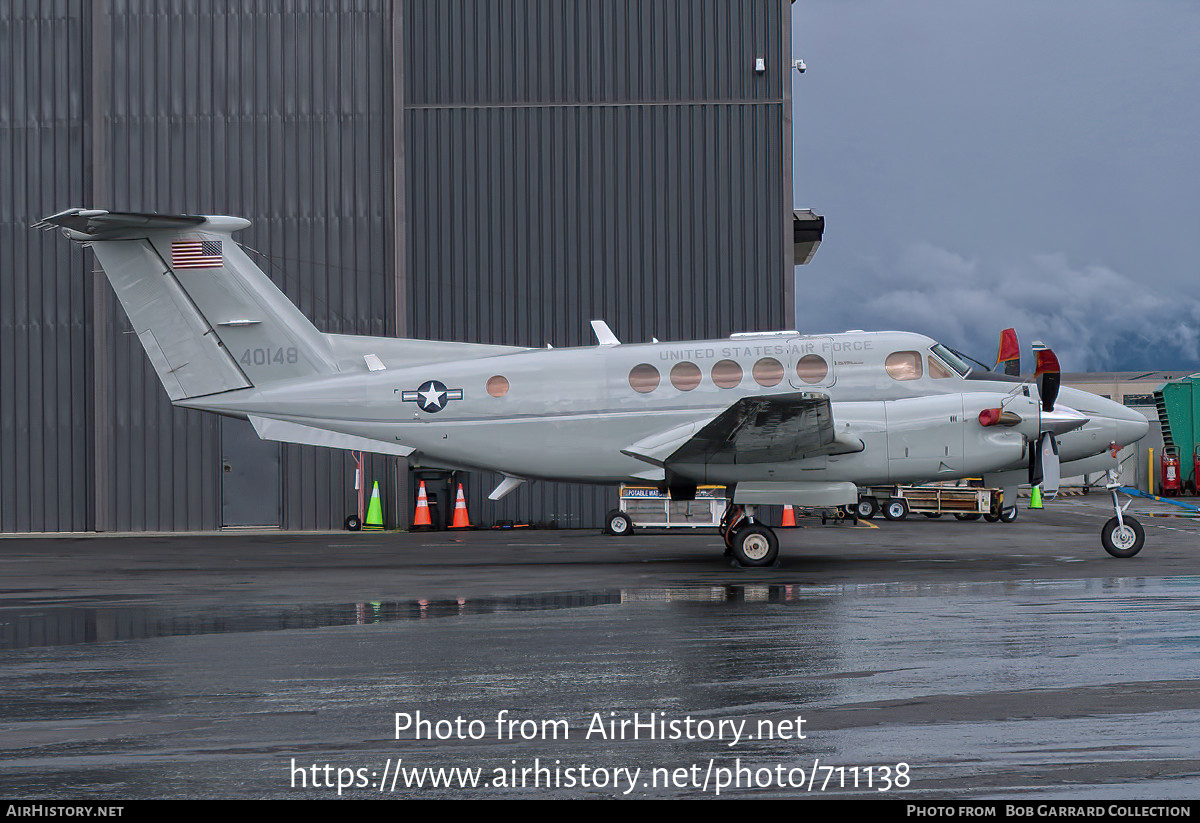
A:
268, 357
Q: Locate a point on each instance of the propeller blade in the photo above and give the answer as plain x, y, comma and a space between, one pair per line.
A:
1009, 353
1047, 374
1047, 455
1035, 462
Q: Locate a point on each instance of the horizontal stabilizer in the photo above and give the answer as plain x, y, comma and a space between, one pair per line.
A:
99, 224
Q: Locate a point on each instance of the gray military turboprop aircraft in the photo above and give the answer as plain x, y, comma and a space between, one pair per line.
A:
778, 417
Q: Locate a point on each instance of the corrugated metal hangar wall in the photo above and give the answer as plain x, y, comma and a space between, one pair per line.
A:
484, 170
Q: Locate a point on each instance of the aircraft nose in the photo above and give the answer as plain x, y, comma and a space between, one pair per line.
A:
1131, 425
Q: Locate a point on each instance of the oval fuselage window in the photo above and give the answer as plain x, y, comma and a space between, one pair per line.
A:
726, 373
643, 378
497, 386
685, 376
768, 372
812, 368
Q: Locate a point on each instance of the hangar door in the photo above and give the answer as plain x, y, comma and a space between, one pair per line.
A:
250, 481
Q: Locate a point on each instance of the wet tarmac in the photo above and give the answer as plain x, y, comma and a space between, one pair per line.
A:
967, 659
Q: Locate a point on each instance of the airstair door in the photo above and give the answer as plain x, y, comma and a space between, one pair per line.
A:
811, 364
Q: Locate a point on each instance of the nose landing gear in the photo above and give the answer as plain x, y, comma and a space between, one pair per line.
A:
1122, 536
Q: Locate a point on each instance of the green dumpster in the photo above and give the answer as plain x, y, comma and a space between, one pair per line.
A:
1179, 414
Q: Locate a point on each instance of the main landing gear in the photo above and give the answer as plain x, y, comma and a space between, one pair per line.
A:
618, 523
748, 542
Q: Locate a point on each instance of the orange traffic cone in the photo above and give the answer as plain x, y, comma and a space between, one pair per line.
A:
461, 521
421, 515
789, 517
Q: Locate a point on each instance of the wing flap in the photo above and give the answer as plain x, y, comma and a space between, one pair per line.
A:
768, 429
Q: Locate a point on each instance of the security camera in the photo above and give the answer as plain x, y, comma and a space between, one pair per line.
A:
799, 66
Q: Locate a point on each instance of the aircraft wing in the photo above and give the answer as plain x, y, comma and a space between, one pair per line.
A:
768, 429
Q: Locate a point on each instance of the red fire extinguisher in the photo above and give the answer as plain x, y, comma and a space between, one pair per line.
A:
1196, 470
1171, 481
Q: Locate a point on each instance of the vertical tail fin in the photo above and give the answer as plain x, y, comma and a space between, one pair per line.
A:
209, 319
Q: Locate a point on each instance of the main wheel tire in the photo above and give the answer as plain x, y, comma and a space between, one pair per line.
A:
755, 545
992, 518
895, 509
1123, 540
966, 515
618, 524
1008, 514
867, 507
353, 524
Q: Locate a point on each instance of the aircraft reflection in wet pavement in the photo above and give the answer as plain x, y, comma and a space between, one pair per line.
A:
41, 625
778, 417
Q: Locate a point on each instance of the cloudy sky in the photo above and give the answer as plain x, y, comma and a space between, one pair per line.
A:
992, 163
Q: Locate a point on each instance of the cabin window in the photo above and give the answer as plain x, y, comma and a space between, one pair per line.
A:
812, 368
903, 365
768, 372
726, 374
936, 370
643, 378
685, 376
497, 386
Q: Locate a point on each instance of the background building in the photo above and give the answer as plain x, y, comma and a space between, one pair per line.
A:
1141, 461
484, 170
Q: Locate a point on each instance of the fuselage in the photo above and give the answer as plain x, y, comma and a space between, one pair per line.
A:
567, 414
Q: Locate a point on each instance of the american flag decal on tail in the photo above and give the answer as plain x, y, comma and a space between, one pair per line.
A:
196, 254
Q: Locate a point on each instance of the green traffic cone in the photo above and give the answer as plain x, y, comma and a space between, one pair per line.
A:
374, 511
1035, 497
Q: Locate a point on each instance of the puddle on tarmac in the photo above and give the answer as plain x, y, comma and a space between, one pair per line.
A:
39, 624
34, 626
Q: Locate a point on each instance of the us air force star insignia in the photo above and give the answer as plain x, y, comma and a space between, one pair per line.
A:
432, 396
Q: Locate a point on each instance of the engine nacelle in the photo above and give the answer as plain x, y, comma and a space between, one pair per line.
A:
941, 436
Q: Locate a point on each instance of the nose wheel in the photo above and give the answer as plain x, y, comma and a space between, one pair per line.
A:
1122, 536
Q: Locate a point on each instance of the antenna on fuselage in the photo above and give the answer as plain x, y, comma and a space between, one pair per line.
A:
604, 335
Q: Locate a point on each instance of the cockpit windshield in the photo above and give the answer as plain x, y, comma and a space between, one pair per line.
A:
951, 359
